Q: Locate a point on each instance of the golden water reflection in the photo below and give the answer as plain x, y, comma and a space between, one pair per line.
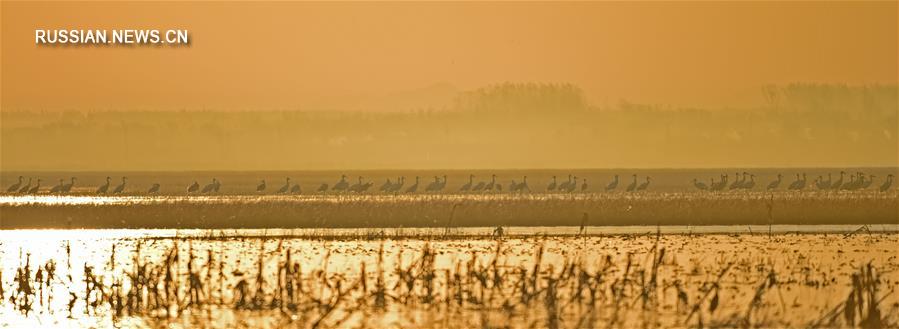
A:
691, 258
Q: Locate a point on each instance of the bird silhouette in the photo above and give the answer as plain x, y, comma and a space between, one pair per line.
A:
564, 185
479, 187
633, 186
356, 187
432, 187
15, 187
153, 189
552, 185
261, 187
34, 189
296, 189
584, 185
286, 187
386, 186
612, 185
828, 183
365, 186
58, 187
750, 184
323, 188
573, 186
523, 186
209, 187
24, 189
513, 186
467, 186
886, 184
492, 185
644, 186
401, 181
774, 184
738, 181
414, 187
105, 187
868, 182
193, 187
341, 185
442, 184
120, 188
839, 183
66, 188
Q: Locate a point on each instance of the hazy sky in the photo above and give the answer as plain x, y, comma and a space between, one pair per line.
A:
277, 55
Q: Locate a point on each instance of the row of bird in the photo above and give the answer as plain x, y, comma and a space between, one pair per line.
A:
344, 185
746, 181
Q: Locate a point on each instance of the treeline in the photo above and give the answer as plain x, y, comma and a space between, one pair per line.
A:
819, 97
473, 136
523, 97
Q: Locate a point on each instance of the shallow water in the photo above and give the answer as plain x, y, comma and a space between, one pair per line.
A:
812, 269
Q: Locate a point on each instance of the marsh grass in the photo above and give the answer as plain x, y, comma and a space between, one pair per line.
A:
644, 287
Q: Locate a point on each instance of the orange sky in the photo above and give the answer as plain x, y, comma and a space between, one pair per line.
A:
277, 55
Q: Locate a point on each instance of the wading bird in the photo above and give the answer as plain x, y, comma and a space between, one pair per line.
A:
613, 184
296, 189
68, 187
467, 186
774, 184
15, 187
365, 187
633, 186
323, 188
193, 188
105, 187
414, 187
573, 186
386, 186
401, 181
34, 189
700, 185
868, 182
432, 187
851, 184
442, 184
564, 186
584, 186
750, 184
57, 188
492, 185
154, 189
886, 184
121, 187
721, 184
341, 185
552, 185
479, 186
737, 182
209, 187
644, 186
523, 186
25, 188
356, 187
286, 186
261, 187
839, 183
